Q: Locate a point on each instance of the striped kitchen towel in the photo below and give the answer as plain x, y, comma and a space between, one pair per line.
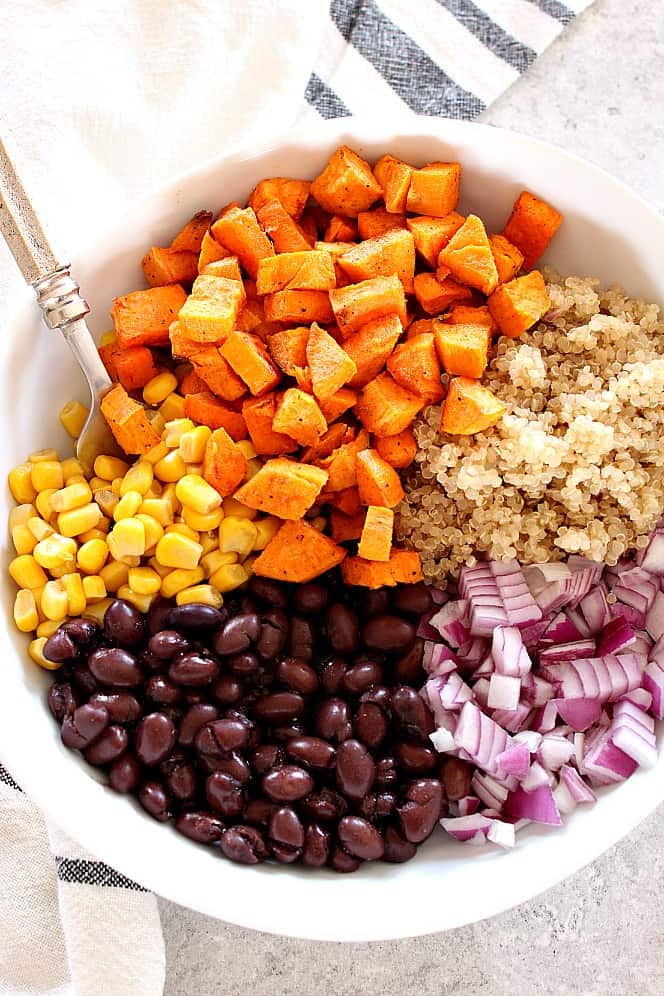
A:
445, 57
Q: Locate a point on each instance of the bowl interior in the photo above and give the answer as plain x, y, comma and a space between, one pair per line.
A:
608, 233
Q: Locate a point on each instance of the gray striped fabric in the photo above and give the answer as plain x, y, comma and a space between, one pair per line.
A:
441, 57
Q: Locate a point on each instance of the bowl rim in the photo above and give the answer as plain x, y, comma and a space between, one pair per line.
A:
112, 848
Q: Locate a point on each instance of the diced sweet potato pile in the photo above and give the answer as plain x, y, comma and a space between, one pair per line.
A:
316, 323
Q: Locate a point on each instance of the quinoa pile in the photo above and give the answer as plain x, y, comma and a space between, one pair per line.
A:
577, 463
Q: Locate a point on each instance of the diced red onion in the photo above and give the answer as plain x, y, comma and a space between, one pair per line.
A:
501, 833
537, 691
424, 630
509, 654
532, 634
576, 786
477, 829
443, 740
514, 761
567, 651
449, 622
513, 720
438, 659
481, 737
595, 609
633, 732
638, 697
651, 558
554, 751
481, 692
617, 635
632, 616
531, 738
538, 805
605, 763
438, 596
576, 618
655, 618
473, 653
636, 588
535, 777
561, 630
504, 692
605, 678
544, 718
489, 790
468, 805
580, 713
653, 682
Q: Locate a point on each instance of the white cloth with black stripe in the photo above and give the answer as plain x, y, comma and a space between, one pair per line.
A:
104, 100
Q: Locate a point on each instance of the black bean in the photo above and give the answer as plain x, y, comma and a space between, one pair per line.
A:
386, 771
224, 793
414, 759
360, 838
108, 746
273, 635
342, 861
286, 835
227, 689
301, 638
60, 647
237, 634
116, 667
243, 664
377, 805
197, 716
244, 844
332, 673
208, 744
155, 738
232, 764
83, 632
310, 599
316, 849
297, 675
286, 731
287, 784
376, 603
311, 752
389, 633
198, 825
355, 769
193, 669
124, 774
265, 757
195, 616
154, 798
279, 707
411, 713
413, 599
407, 669
123, 624
165, 644
456, 776
231, 734
332, 720
123, 707
61, 700
342, 628
83, 726
359, 678
180, 776
397, 848
268, 591
379, 695
420, 813
84, 680
162, 691
158, 615
325, 805
370, 724
259, 812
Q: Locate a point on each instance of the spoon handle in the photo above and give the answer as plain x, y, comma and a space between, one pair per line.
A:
20, 225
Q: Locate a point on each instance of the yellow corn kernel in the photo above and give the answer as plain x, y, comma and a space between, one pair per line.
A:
128, 505
172, 407
168, 492
55, 551
97, 484
79, 520
229, 577
159, 568
36, 651
179, 579
160, 509
154, 491
138, 478
153, 531
42, 456
253, 466
94, 588
157, 453
140, 602
248, 563
40, 529
265, 530
237, 510
26, 572
202, 523
159, 387
195, 493
176, 550
76, 600
78, 479
116, 486
71, 496
212, 561
23, 539
237, 536
183, 529
144, 581
108, 338
194, 468
46, 474
72, 417
209, 541
319, 523
106, 500
128, 538
92, 556
97, 610
59, 572
104, 525
110, 467
91, 534
19, 515
193, 442
26, 616
43, 504
246, 448
48, 627
171, 468
20, 484
200, 594
156, 420
71, 467
114, 575
174, 431
54, 600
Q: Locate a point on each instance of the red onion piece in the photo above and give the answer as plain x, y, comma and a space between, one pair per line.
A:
538, 806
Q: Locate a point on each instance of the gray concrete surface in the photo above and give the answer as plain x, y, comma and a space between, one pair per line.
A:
598, 91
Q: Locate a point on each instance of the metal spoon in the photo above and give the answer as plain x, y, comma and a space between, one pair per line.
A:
60, 301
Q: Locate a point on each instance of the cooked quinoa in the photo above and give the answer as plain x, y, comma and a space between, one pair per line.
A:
577, 463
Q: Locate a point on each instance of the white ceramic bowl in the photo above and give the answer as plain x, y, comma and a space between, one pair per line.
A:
608, 232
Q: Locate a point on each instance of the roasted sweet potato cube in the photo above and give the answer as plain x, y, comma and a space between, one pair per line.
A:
346, 527
341, 464
251, 317
394, 177
467, 314
432, 234
507, 257
469, 408
346, 185
370, 347
376, 539
340, 229
347, 500
259, 414
434, 189
291, 194
132, 367
399, 451
415, 365
217, 374
289, 348
531, 226
182, 346
311, 270
249, 358
420, 326
392, 252
313, 222
378, 221
463, 349
435, 296
330, 366
304, 306
298, 553
190, 238
128, 421
283, 488
211, 251
339, 403
169, 266
191, 383
403, 567
143, 317
303, 377
238, 230
333, 437
228, 267
209, 410
385, 408
377, 481
469, 258
210, 311
284, 231
224, 463
367, 301
299, 417
517, 305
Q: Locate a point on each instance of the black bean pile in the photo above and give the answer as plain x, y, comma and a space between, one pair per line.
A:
286, 725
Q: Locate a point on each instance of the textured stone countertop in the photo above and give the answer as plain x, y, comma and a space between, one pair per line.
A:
599, 92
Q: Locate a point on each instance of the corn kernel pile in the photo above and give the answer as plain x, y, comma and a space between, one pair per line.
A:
132, 531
